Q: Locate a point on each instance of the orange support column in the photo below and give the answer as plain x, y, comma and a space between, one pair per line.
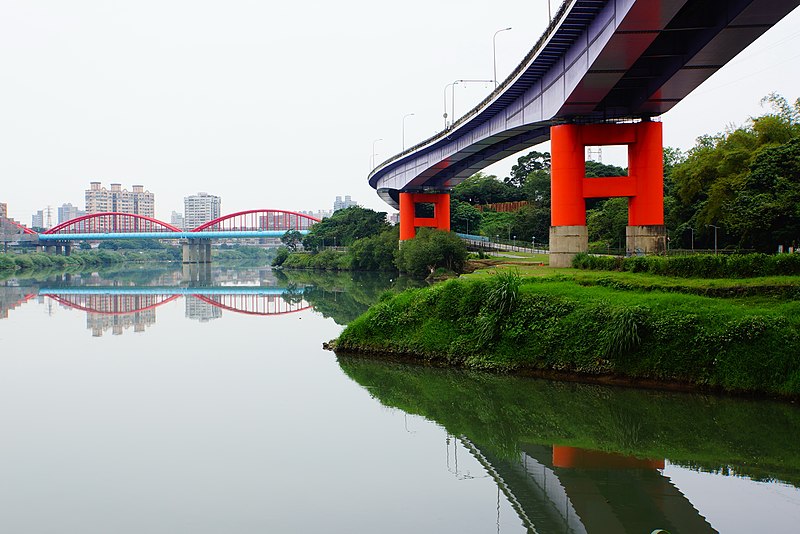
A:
409, 222
568, 168
407, 229
568, 234
646, 165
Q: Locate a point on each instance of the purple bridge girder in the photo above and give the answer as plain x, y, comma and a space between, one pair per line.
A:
600, 60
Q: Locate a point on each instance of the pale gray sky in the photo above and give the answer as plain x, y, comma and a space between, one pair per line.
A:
275, 105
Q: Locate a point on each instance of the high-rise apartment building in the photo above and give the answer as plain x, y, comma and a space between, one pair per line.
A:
177, 220
3, 210
199, 209
137, 201
340, 204
67, 212
37, 220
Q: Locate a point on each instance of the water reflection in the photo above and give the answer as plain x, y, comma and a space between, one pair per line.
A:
584, 458
117, 301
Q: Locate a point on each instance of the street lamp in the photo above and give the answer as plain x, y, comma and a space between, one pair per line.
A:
533, 243
515, 242
494, 54
404, 128
373, 151
452, 87
692, 237
715, 235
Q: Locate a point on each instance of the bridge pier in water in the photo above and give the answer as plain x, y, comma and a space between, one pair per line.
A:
196, 251
59, 249
409, 222
644, 187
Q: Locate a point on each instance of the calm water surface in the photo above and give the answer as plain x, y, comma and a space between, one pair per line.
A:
135, 401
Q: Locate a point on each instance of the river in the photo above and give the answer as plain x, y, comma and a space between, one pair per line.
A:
135, 401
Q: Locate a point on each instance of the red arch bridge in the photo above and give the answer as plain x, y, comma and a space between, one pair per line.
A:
258, 223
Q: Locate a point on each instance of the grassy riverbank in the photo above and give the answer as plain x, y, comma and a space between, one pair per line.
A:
599, 325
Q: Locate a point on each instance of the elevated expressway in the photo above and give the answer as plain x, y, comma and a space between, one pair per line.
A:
600, 62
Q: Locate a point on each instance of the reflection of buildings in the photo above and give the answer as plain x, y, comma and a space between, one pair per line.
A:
115, 312
99, 323
571, 490
12, 296
201, 310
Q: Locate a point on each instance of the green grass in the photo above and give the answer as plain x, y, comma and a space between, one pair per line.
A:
637, 326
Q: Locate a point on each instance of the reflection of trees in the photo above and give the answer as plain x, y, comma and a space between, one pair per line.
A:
502, 413
343, 296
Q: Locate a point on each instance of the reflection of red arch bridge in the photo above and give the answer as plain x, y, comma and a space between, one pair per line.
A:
249, 224
129, 301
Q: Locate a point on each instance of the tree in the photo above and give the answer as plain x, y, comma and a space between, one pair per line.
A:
431, 249
531, 162
485, 189
344, 227
464, 218
291, 239
376, 253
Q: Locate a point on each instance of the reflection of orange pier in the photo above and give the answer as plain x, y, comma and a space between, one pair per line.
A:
574, 457
579, 491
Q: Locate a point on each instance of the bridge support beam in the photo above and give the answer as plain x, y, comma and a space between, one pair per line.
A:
409, 222
197, 251
644, 186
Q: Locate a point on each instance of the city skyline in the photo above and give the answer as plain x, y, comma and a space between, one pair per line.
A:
180, 107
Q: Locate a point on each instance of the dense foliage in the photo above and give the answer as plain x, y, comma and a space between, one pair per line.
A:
344, 227
422, 256
431, 249
696, 265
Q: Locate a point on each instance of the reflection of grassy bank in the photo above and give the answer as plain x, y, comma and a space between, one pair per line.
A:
343, 296
558, 324
499, 413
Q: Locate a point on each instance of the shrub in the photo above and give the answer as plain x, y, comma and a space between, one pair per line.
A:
697, 266
431, 249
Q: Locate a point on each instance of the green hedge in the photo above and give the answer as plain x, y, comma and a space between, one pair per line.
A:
696, 266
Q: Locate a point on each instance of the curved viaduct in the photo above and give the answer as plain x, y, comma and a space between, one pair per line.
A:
599, 63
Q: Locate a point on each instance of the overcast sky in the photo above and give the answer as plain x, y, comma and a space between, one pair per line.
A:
276, 104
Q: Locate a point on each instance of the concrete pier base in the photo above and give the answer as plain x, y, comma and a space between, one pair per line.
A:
566, 242
196, 251
645, 240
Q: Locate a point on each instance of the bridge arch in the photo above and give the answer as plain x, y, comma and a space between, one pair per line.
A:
112, 304
108, 222
262, 305
259, 219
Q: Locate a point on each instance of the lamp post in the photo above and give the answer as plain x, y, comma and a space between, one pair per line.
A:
715, 235
494, 54
373, 151
515, 243
444, 94
452, 87
533, 243
407, 115
692, 237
